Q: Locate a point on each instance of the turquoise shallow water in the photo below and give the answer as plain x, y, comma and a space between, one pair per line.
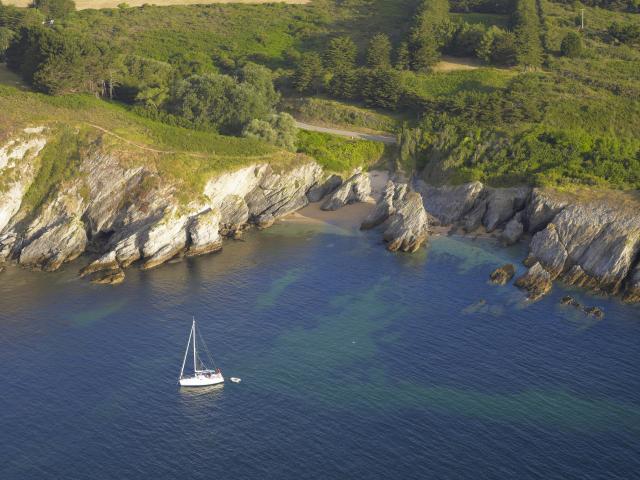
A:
356, 363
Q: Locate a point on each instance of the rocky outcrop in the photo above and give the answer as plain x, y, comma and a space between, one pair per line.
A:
541, 209
18, 170
596, 312
278, 194
632, 291
324, 188
449, 204
404, 220
204, 233
513, 231
537, 282
589, 245
59, 244
503, 274
502, 203
355, 189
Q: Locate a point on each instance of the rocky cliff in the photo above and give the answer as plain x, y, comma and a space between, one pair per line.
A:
125, 214
592, 243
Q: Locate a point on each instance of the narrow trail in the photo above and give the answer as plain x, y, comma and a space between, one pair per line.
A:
173, 152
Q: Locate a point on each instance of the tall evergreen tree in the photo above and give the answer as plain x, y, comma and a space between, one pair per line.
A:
430, 32
403, 57
529, 49
308, 75
379, 51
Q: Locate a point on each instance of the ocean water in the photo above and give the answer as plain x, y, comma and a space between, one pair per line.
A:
356, 364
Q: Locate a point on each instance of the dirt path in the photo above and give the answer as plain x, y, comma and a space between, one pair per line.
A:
390, 139
172, 152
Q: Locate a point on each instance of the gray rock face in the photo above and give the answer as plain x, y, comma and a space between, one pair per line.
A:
55, 246
355, 189
603, 241
407, 229
513, 231
384, 207
322, 189
541, 209
449, 204
278, 194
403, 218
502, 203
234, 214
473, 219
204, 233
537, 282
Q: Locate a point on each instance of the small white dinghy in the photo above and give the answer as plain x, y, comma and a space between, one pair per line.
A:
202, 375
235, 379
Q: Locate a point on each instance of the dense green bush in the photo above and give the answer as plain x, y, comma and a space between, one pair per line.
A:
571, 45
278, 129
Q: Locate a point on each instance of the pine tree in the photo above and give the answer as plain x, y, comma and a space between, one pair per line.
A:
429, 34
403, 57
528, 42
308, 75
379, 51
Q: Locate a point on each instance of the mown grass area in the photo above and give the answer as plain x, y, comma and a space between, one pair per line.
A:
486, 19
325, 112
444, 84
340, 155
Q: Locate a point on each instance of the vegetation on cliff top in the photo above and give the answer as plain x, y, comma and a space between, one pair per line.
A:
553, 103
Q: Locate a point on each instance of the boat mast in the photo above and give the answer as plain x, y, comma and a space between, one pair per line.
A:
184, 360
193, 329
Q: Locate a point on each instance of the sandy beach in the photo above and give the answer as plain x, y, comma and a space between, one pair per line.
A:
349, 217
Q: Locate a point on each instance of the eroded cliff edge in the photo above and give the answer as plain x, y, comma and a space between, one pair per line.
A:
121, 212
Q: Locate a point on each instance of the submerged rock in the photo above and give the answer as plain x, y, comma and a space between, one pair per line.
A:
537, 282
501, 275
355, 189
111, 276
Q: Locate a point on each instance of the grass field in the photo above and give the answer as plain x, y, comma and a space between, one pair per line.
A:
84, 4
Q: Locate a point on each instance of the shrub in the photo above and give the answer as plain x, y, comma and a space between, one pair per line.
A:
571, 45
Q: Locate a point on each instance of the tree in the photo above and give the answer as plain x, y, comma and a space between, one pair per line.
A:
219, 102
571, 45
341, 54
340, 60
466, 39
497, 47
381, 88
279, 129
6, 34
529, 49
403, 57
431, 31
379, 51
308, 75
56, 9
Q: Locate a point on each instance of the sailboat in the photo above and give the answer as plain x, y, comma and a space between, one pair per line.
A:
202, 375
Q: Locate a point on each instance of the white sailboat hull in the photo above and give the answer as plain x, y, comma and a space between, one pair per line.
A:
202, 380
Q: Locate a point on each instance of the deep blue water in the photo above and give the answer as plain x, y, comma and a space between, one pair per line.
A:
356, 363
